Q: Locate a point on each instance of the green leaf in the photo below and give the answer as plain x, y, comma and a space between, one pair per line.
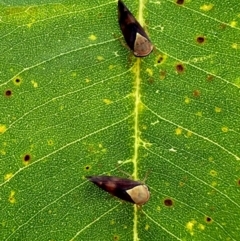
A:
75, 102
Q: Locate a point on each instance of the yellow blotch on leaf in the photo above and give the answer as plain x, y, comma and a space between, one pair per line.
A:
213, 173
8, 176
34, 83
50, 142
218, 109
201, 226
190, 225
149, 71
3, 128
233, 24
187, 100
147, 227
206, 7
87, 80
107, 101
199, 113
100, 58
111, 66
178, 131
12, 198
214, 184
224, 129
235, 46
189, 134
92, 37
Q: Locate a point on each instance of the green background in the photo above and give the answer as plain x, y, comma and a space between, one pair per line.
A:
76, 102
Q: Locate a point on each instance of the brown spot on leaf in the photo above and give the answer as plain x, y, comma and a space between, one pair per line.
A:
163, 74
196, 93
201, 39
180, 2
168, 202
8, 93
180, 68
210, 78
27, 158
208, 219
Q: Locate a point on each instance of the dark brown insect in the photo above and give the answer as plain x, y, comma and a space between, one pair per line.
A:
123, 188
133, 32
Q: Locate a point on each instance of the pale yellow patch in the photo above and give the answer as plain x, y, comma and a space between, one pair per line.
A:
237, 82
144, 127
206, 7
8, 176
11, 198
112, 222
100, 145
147, 227
235, 46
233, 23
224, 129
213, 173
149, 71
218, 109
189, 134
100, 58
187, 100
178, 131
29, 25
199, 113
190, 226
74, 74
92, 37
201, 226
50, 142
34, 83
87, 80
107, 101
214, 184
158, 208
3, 128
3, 152
111, 66
210, 158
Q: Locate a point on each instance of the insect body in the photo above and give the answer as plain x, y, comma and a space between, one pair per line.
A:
133, 32
123, 188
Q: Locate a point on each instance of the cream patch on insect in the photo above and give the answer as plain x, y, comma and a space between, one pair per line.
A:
142, 46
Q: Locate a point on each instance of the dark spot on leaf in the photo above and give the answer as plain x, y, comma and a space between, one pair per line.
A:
87, 168
163, 74
238, 182
210, 78
208, 219
200, 39
180, 2
168, 202
179, 68
196, 93
8, 93
160, 59
222, 26
151, 81
27, 158
17, 80
115, 237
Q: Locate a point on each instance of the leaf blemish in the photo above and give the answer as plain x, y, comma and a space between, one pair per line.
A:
179, 68
200, 39
180, 2
168, 202
8, 93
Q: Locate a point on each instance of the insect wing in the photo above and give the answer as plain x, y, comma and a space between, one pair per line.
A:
133, 33
116, 186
